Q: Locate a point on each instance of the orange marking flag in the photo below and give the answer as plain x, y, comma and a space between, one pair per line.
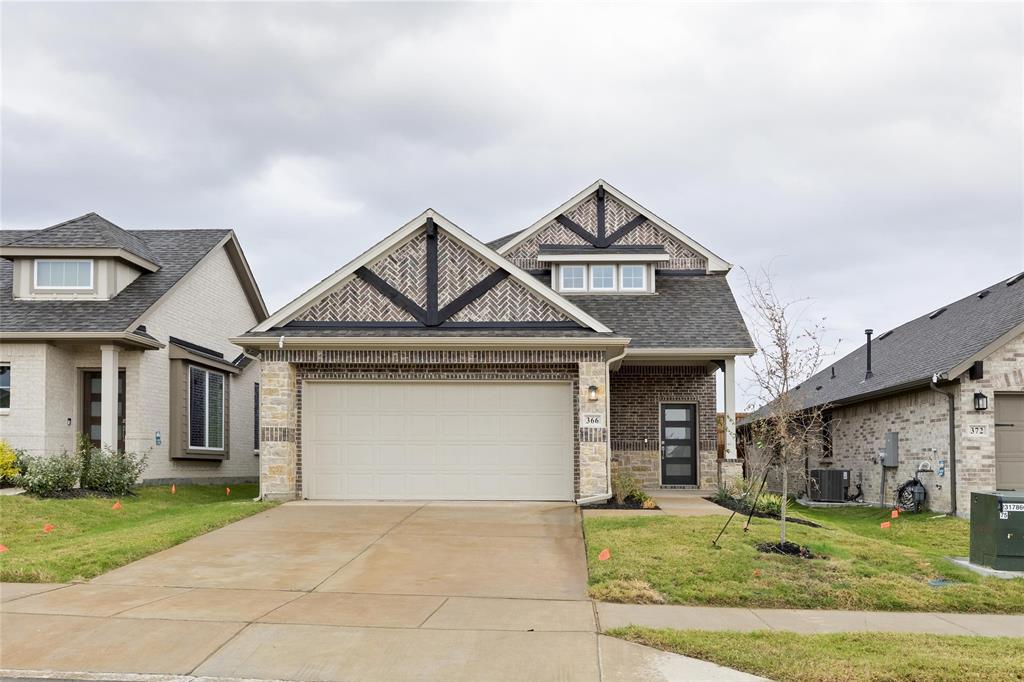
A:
895, 513
48, 528
117, 505
605, 555
885, 524
174, 488
3, 548
228, 490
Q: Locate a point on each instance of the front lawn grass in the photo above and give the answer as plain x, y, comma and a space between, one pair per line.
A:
935, 534
90, 538
670, 559
846, 657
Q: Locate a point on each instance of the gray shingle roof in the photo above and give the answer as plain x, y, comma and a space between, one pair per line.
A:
501, 241
911, 353
688, 311
177, 252
87, 231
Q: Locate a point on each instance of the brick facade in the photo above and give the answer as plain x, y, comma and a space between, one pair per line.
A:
921, 419
285, 372
636, 395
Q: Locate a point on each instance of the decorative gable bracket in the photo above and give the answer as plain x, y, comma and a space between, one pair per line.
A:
431, 316
602, 240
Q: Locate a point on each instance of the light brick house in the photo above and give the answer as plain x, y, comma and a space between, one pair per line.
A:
123, 335
434, 366
960, 365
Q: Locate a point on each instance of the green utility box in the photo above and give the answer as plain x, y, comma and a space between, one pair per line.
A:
997, 529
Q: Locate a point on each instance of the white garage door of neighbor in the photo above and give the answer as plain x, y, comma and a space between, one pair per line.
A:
437, 441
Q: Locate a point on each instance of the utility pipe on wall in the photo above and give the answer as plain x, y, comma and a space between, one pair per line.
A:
952, 441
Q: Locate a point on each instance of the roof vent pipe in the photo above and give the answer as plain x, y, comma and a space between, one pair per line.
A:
868, 333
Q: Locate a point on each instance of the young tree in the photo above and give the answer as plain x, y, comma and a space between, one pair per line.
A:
789, 350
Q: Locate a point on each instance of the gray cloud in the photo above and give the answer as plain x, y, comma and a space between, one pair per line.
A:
875, 150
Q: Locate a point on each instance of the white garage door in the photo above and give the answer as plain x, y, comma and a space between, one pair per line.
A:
437, 441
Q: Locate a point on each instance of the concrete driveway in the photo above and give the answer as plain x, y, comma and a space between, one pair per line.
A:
317, 591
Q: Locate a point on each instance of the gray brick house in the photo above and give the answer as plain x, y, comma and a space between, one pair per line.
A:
435, 366
122, 335
950, 383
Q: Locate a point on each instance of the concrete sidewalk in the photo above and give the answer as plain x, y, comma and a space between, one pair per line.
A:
807, 622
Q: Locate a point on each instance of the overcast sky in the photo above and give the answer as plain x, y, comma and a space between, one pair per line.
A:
874, 152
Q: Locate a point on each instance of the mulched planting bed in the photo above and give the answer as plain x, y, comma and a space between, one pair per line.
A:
612, 504
789, 549
79, 493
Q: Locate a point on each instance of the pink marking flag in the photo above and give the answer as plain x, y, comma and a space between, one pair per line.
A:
605, 555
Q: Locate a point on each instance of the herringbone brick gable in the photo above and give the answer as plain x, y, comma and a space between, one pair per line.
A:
616, 215
459, 269
510, 301
405, 268
354, 301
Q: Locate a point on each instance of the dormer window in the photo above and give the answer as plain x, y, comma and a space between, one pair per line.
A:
574, 277
53, 273
633, 277
602, 277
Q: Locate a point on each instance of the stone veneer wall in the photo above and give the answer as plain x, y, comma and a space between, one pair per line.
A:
284, 372
637, 394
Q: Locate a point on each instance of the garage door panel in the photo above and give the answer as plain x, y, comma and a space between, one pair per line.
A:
430, 440
1009, 416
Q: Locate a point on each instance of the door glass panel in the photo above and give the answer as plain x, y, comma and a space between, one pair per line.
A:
676, 451
677, 469
678, 414
677, 432
95, 408
94, 432
95, 385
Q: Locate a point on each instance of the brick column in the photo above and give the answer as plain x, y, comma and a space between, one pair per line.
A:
593, 439
278, 404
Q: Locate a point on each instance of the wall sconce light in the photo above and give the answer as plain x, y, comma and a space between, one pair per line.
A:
592, 393
980, 401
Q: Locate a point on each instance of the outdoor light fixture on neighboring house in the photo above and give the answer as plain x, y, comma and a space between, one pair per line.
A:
980, 401
592, 393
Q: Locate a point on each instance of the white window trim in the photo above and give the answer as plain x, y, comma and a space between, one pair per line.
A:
643, 278
615, 275
206, 433
10, 373
35, 274
561, 277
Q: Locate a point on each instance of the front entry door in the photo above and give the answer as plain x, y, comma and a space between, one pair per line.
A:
678, 444
91, 407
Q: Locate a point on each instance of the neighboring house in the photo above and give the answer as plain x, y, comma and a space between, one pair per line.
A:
961, 364
89, 311
434, 366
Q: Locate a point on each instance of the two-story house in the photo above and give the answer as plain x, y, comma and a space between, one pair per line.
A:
122, 335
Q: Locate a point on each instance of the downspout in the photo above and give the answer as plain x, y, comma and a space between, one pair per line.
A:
952, 441
608, 433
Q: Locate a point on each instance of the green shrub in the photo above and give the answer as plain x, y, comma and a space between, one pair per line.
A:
627, 488
111, 472
11, 462
770, 503
50, 476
